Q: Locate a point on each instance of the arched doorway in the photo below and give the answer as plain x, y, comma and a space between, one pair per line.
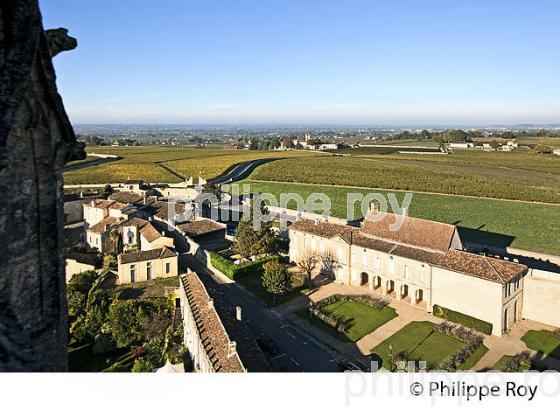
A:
364, 279
377, 282
404, 291
390, 287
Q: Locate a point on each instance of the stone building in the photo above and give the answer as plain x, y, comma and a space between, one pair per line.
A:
214, 332
145, 265
422, 263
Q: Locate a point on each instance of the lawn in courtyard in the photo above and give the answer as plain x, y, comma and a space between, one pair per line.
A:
465, 320
501, 364
542, 341
253, 283
360, 318
474, 358
417, 341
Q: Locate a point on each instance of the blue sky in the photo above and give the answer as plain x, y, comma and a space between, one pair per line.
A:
302, 61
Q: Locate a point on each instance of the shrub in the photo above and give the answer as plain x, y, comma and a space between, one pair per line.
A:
233, 271
463, 319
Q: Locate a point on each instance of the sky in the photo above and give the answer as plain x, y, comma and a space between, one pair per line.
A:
374, 62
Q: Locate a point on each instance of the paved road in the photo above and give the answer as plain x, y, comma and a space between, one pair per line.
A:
297, 353
240, 171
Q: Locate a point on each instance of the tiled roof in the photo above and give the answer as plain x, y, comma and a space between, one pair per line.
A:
131, 257
324, 229
200, 227
218, 326
483, 267
126, 197
420, 233
150, 232
104, 224
102, 203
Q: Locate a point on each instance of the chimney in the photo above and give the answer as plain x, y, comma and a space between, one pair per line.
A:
210, 303
238, 313
232, 348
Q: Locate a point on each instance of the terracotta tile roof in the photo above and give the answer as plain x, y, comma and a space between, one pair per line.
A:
102, 203
416, 232
324, 229
199, 227
126, 197
150, 232
104, 225
483, 267
117, 205
161, 209
218, 326
137, 222
140, 256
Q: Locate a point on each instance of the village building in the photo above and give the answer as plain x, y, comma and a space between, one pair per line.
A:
422, 263
214, 333
145, 265
80, 262
141, 234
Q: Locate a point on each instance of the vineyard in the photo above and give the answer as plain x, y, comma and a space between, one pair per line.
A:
532, 227
152, 163
533, 179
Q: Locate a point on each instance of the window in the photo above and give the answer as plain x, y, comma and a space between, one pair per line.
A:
133, 273
378, 263
313, 245
364, 258
322, 247
339, 254
167, 267
406, 272
149, 270
392, 267
353, 258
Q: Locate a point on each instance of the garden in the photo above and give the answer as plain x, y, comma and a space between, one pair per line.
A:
547, 343
442, 347
349, 318
465, 320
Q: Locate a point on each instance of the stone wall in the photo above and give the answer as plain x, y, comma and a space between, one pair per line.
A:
36, 139
541, 297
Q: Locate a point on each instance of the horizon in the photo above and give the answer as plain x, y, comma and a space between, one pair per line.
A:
351, 64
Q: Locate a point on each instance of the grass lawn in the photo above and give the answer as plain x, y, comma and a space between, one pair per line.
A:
505, 359
304, 314
419, 342
544, 342
463, 319
253, 283
527, 226
146, 289
474, 358
82, 359
362, 319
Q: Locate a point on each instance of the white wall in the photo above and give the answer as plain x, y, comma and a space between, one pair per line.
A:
541, 297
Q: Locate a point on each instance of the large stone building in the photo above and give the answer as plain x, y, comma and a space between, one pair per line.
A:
422, 263
214, 333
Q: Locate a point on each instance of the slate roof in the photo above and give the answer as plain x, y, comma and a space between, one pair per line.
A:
140, 256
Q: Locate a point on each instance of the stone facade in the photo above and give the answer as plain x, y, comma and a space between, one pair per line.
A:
422, 263
36, 139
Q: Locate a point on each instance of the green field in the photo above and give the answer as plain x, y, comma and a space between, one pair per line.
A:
533, 227
167, 164
418, 341
544, 342
362, 319
503, 175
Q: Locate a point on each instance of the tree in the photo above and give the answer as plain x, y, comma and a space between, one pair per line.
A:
288, 142
543, 149
494, 144
329, 263
307, 262
77, 292
250, 241
107, 191
275, 279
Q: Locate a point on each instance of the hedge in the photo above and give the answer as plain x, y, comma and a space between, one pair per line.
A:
233, 271
465, 320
